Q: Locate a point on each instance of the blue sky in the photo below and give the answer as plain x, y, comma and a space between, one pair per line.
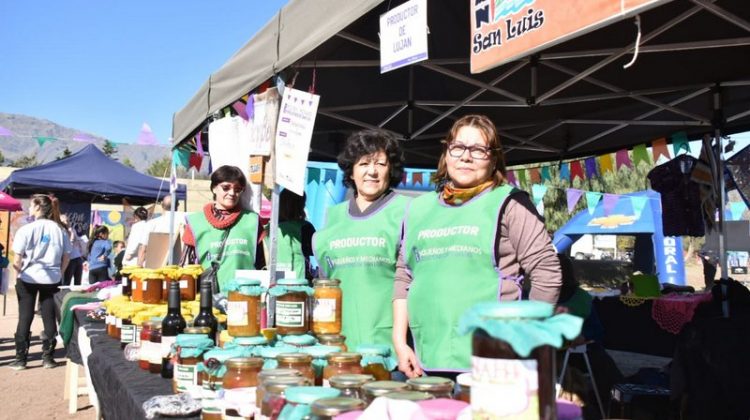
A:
106, 67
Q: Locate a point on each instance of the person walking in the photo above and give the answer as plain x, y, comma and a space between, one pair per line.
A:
99, 250
42, 252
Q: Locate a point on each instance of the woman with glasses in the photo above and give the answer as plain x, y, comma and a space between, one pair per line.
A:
475, 239
225, 221
359, 243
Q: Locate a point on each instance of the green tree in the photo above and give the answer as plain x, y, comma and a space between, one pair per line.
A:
26, 162
65, 153
109, 149
2, 157
160, 168
128, 163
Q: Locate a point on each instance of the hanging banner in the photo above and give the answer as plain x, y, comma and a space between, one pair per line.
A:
262, 125
79, 216
403, 35
293, 135
505, 30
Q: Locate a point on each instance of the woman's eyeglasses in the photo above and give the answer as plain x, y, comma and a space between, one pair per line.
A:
229, 187
457, 150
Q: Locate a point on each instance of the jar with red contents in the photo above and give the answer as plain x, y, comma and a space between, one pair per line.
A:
145, 353
154, 360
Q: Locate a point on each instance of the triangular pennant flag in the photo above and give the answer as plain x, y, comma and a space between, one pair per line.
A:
429, 177
576, 170
521, 176
540, 208
573, 196
146, 136
659, 148
173, 174
181, 157
241, 109
313, 175
416, 178
592, 199
329, 175
199, 144
83, 138
610, 200
623, 159
545, 174
42, 140
640, 154
680, 142
565, 171
5, 132
403, 178
591, 171
537, 193
737, 208
605, 163
638, 203
534, 176
195, 161
511, 175
250, 107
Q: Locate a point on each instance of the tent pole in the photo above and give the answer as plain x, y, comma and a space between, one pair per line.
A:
7, 255
718, 121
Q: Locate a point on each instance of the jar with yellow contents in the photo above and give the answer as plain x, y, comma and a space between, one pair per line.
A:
243, 307
377, 360
327, 304
299, 361
240, 383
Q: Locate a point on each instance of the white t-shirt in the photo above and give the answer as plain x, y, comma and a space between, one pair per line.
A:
42, 244
138, 236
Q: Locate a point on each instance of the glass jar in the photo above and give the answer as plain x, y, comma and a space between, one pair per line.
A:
320, 359
376, 389
136, 285
152, 285
154, 359
145, 353
299, 361
305, 395
292, 303
110, 320
125, 281
272, 398
328, 408
250, 345
187, 284
127, 332
190, 348
414, 396
337, 340
326, 318
350, 385
374, 360
435, 385
267, 375
340, 364
243, 307
240, 382
464, 387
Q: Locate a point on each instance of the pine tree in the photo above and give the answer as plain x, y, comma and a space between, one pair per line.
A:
65, 153
109, 149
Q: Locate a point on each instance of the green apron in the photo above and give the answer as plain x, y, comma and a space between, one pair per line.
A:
362, 252
451, 254
239, 250
289, 256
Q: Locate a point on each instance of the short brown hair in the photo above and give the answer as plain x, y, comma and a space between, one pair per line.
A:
489, 131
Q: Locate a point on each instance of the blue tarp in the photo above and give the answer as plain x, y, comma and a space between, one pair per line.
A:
88, 175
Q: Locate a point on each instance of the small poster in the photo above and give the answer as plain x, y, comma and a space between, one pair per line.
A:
262, 125
293, 135
403, 35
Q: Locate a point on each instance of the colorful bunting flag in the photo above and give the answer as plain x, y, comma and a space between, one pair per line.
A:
521, 175
545, 174
659, 148
680, 142
576, 171
173, 177
146, 137
83, 138
638, 203
573, 196
313, 175
591, 171
534, 176
737, 208
195, 161
240, 107
622, 158
181, 157
199, 143
640, 154
329, 175
42, 140
537, 193
403, 178
416, 178
592, 199
250, 107
511, 175
605, 163
609, 203
564, 171
5, 132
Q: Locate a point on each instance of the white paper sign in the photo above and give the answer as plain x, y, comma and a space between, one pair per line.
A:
262, 124
293, 135
403, 35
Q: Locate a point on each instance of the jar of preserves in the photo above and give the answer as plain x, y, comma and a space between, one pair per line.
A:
377, 361
272, 399
127, 331
240, 382
187, 284
189, 352
110, 320
269, 355
299, 341
136, 284
152, 285
211, 376
376, 389
125, 281
464, 387
292, 304
243, 307
326, 318
154, 338
337, 340
267, 375
350, 385
414, 396
435, 385
300, 398
340, 364
328, 408
145, 352
320, 359
299, 361
523, 361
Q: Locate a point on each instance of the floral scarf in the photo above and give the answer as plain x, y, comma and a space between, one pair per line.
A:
456, 196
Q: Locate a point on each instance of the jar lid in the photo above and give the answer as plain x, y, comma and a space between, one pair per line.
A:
278, 384
197, 330
442, 408
380, 388
247, 282
292, 282
294, 358
375, 349
464, 379
153, 276
326, 282
244, 362
430, 384
514, 310
320, 352
221, 355
333, 406
409, 395
299, 340
272, 352
250, 341
154, 325
350, 380
267, 374
309, 394
331, 338
344, 357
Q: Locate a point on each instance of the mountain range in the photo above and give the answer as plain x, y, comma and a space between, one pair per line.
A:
23, 143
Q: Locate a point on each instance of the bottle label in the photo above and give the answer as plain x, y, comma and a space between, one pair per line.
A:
324, 310
166, 345
241, 400
185, 376
290, 314
237, 313
127, 334
504, 388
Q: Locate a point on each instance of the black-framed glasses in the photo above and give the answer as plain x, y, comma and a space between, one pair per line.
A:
457, 150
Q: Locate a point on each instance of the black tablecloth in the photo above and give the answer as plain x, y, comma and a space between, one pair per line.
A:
631, 328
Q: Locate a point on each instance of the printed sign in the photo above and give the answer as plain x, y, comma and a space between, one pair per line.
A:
403, 35
505, 30
293, 135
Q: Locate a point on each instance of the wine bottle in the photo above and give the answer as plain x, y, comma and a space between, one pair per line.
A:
171, 325
205, 317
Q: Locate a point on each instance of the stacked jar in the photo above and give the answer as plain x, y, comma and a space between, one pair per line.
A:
244, 307
299, 361
240, 382
350, 385
151, 284
337, 340
341, 364
434, 385
189, 352
327, 306
320, 356
377, 360
330, 408
267, 376
300, 398
292, 306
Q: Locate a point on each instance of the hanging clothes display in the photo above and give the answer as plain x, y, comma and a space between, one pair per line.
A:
737, 166
680, 197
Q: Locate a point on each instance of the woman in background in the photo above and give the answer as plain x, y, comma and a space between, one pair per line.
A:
99, 249
74, 272
294, 240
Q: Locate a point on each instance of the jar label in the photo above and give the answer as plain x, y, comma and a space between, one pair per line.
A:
137, 334
118, 323
210, 399
183, 284
108, 319
326, 383
124, 281
144, 285
237, 313
290, 314
324, 310
127, 334
185, 376
145, 350
504, 387
241, 400
155, 355
166, 345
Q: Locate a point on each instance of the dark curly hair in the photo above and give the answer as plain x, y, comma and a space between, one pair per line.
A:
367, 142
